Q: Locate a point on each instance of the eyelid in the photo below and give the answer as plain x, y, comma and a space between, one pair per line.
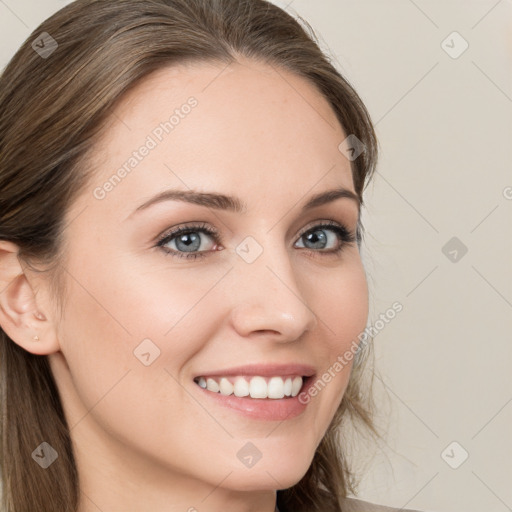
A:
211, 231
324, 223
345, 234
194, 226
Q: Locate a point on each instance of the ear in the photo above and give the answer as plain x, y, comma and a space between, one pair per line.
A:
25, 321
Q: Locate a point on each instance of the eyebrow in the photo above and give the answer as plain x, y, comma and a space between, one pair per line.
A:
234, 204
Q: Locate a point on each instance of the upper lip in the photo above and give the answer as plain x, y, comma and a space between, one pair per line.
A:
265, 370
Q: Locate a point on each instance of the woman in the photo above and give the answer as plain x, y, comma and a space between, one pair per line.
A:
181, 184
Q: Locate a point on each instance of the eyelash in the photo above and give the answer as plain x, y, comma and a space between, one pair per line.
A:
346, 236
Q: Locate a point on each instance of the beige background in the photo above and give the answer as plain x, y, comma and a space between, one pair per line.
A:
445, 130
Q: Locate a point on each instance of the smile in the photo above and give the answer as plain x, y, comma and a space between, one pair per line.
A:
275, 387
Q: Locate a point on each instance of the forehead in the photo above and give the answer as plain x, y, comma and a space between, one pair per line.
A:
241, 128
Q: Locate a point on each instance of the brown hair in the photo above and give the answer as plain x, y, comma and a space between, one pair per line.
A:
52, 110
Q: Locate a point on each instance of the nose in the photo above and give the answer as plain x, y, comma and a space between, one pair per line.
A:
268, 298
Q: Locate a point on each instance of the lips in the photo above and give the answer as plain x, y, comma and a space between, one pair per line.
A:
275, 397
257, 381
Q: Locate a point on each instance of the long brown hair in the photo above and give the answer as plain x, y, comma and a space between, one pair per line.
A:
53, 105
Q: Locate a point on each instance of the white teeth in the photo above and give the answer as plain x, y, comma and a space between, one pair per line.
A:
296, 385
276, 387
255, 387
212, 385
287, 386
241, 388
226, 388
258, 387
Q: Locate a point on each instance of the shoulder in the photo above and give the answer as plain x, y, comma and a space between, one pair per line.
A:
354, 505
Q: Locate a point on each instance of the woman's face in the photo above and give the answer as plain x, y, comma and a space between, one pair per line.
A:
142, 321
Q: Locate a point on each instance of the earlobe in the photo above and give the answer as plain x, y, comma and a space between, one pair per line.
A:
20, 317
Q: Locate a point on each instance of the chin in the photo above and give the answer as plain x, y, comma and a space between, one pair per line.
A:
271, 476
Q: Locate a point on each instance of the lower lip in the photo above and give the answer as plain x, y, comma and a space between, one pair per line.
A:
268, 409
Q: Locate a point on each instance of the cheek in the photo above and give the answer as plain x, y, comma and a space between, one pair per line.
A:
133, 319
341, 299
111, 385
111, 322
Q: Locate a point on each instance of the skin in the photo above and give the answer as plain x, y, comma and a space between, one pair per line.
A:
145, 437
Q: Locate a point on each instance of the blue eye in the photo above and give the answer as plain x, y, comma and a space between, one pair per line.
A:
186, 238
317, 236
188, 241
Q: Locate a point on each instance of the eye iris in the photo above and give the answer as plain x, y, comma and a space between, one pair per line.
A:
314, 238
189, 239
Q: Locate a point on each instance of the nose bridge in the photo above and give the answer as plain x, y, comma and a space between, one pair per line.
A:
267, 295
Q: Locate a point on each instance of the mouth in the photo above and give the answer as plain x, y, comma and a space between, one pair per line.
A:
257, 387
262, 392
